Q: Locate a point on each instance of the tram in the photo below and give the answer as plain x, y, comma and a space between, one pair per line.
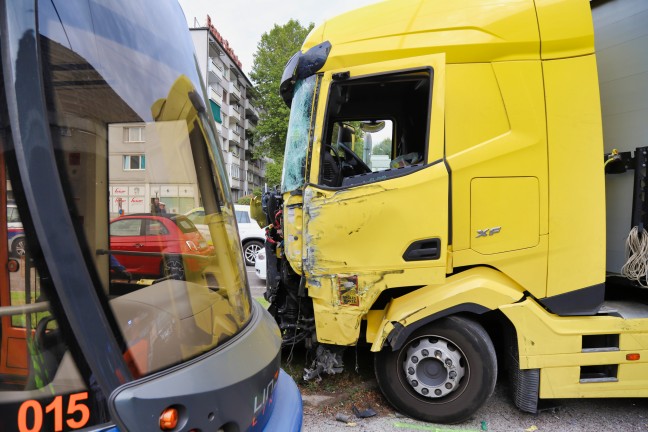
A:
116, 316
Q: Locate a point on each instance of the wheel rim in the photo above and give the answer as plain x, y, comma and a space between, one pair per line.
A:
434, 367
250, 252
174, 268
20, 248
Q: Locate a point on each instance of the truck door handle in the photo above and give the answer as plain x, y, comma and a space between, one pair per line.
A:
138, 245
421, 250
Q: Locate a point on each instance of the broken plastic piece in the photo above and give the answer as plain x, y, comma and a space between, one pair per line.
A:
369, 412
328, 360
343, 418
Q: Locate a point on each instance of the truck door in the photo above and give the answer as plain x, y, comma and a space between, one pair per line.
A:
376, 204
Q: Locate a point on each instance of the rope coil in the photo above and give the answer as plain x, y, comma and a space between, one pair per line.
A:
636, 266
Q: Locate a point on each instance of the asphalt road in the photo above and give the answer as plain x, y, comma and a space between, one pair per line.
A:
257, 286
498, 414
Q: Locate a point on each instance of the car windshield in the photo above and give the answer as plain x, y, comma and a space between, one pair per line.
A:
135, 148
297, 138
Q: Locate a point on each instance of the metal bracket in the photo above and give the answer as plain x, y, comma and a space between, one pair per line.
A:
620, 162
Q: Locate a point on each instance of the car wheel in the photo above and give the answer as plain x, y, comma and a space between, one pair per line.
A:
250, 250
19, 247
173, 267
443, 373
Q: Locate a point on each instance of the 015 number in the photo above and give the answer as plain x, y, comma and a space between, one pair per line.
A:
32, 408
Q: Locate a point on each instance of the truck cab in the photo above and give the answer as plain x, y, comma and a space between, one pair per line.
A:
443, 178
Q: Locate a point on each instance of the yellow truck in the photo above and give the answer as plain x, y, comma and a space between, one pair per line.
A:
443, 200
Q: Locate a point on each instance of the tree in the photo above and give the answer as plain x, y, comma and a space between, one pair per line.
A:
273, 52
273, 172
384, 148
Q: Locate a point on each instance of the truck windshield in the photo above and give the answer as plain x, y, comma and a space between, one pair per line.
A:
134, 149
297, 139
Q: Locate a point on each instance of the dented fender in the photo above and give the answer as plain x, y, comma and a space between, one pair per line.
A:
292, 230
477, 290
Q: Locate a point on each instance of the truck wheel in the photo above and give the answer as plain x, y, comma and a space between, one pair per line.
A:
443, 373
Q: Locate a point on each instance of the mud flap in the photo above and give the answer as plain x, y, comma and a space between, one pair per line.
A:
525, 383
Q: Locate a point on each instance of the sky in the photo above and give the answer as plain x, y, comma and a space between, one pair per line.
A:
242, 22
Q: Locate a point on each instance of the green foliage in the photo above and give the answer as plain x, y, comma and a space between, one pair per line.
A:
245, 200
273, 172
383, 148
273, 52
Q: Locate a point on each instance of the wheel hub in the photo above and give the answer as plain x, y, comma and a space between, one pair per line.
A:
433, 367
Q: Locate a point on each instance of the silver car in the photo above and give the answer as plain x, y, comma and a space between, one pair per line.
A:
15, 232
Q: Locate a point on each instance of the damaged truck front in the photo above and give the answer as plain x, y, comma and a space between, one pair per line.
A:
430, 206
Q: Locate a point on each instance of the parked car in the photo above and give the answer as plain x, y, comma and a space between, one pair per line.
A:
260, 264
158, 245
252, 235
15, 232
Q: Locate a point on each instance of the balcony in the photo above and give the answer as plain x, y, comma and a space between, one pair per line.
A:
254, 167
215, 96
235, 115
214, 73
227, 134
248, 124
235, 183
225, 110
234, 90
235, 138
251, 112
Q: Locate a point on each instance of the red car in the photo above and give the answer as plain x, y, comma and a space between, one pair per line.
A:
158, 245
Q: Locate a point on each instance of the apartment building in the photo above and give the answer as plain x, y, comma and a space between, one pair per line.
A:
232, 102
143, 157
146, 161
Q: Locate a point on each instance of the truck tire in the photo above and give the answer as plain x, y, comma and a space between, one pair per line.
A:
443, 373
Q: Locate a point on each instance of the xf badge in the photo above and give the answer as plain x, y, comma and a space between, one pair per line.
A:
488, 232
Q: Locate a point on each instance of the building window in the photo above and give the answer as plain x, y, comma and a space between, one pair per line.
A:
134, 162
135, 134
235, 171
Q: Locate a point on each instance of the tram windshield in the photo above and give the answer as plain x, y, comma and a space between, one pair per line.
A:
135, 149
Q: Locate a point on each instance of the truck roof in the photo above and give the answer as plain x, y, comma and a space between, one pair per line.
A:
467, 31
